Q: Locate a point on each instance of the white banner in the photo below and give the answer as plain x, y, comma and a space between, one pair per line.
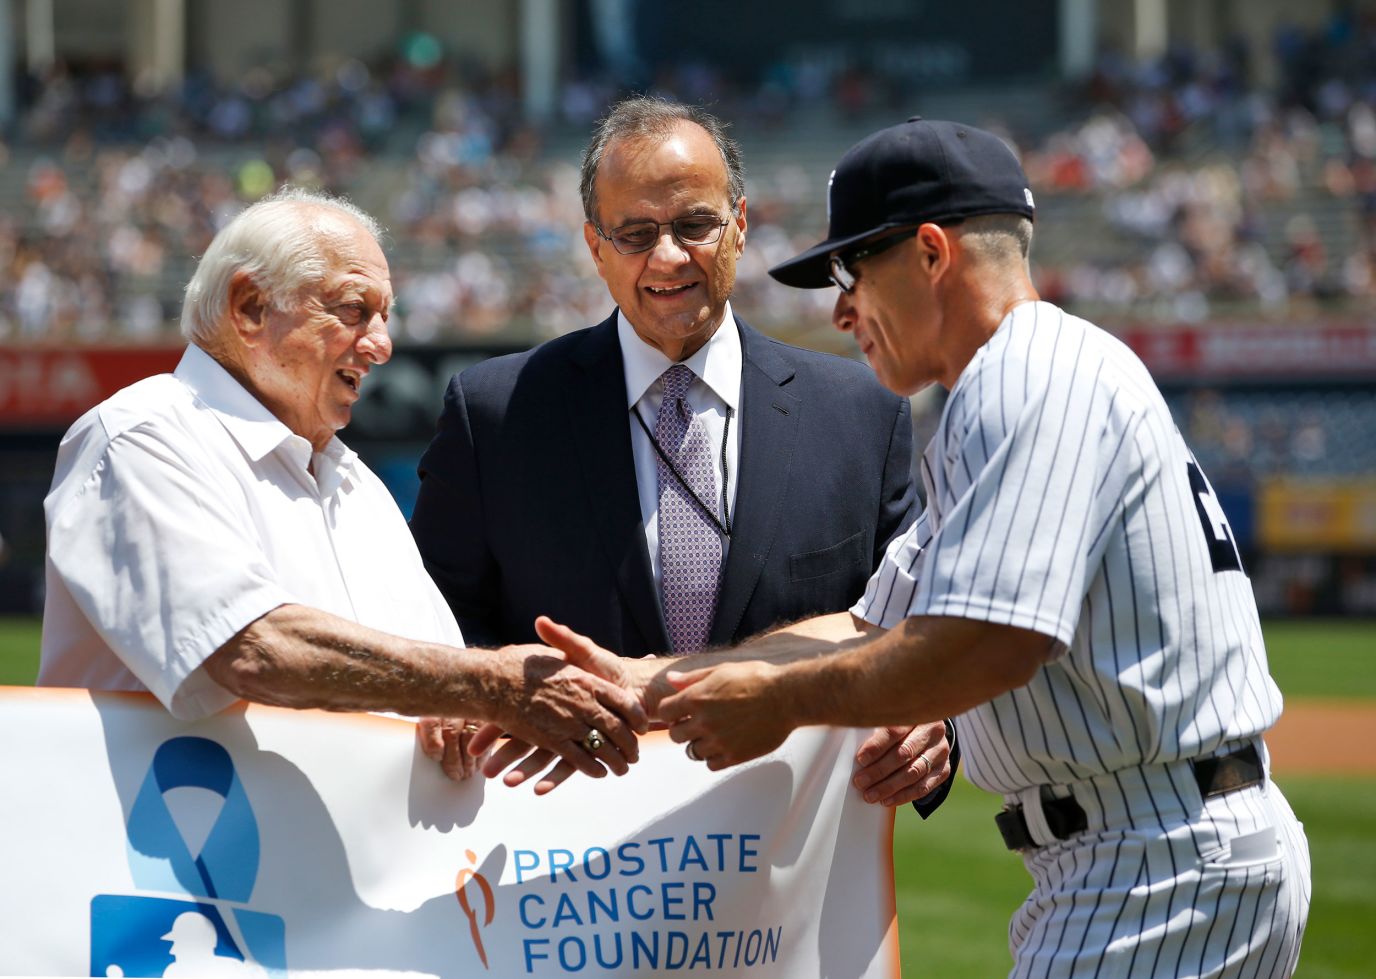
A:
266, 842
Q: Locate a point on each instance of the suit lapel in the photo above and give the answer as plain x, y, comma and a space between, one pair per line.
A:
769, 432
598, 422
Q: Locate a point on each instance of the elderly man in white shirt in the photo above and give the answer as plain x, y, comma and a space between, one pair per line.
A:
210, 539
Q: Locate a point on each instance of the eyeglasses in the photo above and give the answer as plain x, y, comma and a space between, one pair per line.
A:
841, 268
691, 230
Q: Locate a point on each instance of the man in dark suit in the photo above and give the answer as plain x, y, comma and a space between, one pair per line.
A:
549, 489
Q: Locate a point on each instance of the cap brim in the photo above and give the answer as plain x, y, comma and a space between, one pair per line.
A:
812, 269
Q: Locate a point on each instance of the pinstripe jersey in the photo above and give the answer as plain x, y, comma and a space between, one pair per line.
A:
1061, 498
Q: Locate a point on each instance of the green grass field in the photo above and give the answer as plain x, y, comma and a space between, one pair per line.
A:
957, 885
1335, 658
18, 651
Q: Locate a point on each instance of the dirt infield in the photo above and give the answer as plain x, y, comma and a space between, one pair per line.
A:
1324, 737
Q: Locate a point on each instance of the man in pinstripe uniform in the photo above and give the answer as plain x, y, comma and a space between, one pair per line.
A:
1072, 592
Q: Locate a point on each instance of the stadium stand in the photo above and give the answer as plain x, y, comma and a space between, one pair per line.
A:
1175, 195
1259, 432
1174, 191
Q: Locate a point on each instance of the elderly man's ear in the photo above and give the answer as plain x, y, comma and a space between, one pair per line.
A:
247, 304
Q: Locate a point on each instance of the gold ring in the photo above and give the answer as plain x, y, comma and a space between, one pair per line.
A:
471, 728
593, 740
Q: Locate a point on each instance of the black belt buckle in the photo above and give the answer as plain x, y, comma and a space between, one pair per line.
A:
1228, 773
1064, 817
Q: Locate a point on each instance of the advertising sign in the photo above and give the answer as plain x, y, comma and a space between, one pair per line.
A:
268, 842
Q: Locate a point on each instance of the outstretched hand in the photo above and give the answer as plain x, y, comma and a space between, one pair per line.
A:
562, 695
522, 758
726, 714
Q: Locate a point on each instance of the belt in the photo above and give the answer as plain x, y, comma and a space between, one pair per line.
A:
1065, 817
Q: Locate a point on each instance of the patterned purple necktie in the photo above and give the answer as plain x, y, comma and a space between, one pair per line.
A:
689, 544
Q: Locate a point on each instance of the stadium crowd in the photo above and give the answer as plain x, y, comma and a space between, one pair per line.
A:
1182, 190
1235, 194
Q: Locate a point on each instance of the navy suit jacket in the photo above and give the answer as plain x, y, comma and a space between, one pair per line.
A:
528, 502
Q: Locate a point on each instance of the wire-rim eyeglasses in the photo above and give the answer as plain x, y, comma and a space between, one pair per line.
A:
690, 230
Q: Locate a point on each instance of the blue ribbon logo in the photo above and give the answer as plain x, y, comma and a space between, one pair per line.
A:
153, 936
158, 856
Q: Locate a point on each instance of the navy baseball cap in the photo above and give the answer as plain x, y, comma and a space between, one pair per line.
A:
919, 171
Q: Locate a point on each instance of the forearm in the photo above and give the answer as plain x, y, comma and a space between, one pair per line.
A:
803, 639
303, 657
796, 641
817, 636
926, 669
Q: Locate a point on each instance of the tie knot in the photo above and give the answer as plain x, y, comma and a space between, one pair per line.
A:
676, 381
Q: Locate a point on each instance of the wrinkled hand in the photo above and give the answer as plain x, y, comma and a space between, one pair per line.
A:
445, 740
531, 755
900, 764
725, 714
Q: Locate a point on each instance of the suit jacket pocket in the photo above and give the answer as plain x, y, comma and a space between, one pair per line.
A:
848, 555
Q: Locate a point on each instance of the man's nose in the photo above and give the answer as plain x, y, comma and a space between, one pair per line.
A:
843, 313
376, 342
668, 250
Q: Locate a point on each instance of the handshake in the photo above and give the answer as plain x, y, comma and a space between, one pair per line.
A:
573, 706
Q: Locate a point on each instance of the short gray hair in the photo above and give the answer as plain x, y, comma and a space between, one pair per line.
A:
997, 236
650, 117
277, 243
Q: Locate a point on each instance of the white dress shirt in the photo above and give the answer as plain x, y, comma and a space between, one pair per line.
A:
182, 510
716, 392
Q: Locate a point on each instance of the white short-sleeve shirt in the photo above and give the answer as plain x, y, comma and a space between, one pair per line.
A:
182, 510
1062, 499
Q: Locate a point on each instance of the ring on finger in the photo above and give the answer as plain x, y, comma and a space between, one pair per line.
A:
926, 761
471, 728
690, 752
593, 740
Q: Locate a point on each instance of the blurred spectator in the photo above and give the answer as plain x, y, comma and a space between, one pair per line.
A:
1184, 190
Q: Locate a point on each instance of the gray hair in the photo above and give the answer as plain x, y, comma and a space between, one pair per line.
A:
650, 117
1002, 237
277, 242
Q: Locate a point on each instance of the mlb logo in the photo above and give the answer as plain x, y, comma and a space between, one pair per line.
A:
132, 935
209, 932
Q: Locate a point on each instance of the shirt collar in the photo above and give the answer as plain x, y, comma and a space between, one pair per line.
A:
717, 362
248, 421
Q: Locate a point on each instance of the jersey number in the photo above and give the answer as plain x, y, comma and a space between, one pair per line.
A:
1222, 547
